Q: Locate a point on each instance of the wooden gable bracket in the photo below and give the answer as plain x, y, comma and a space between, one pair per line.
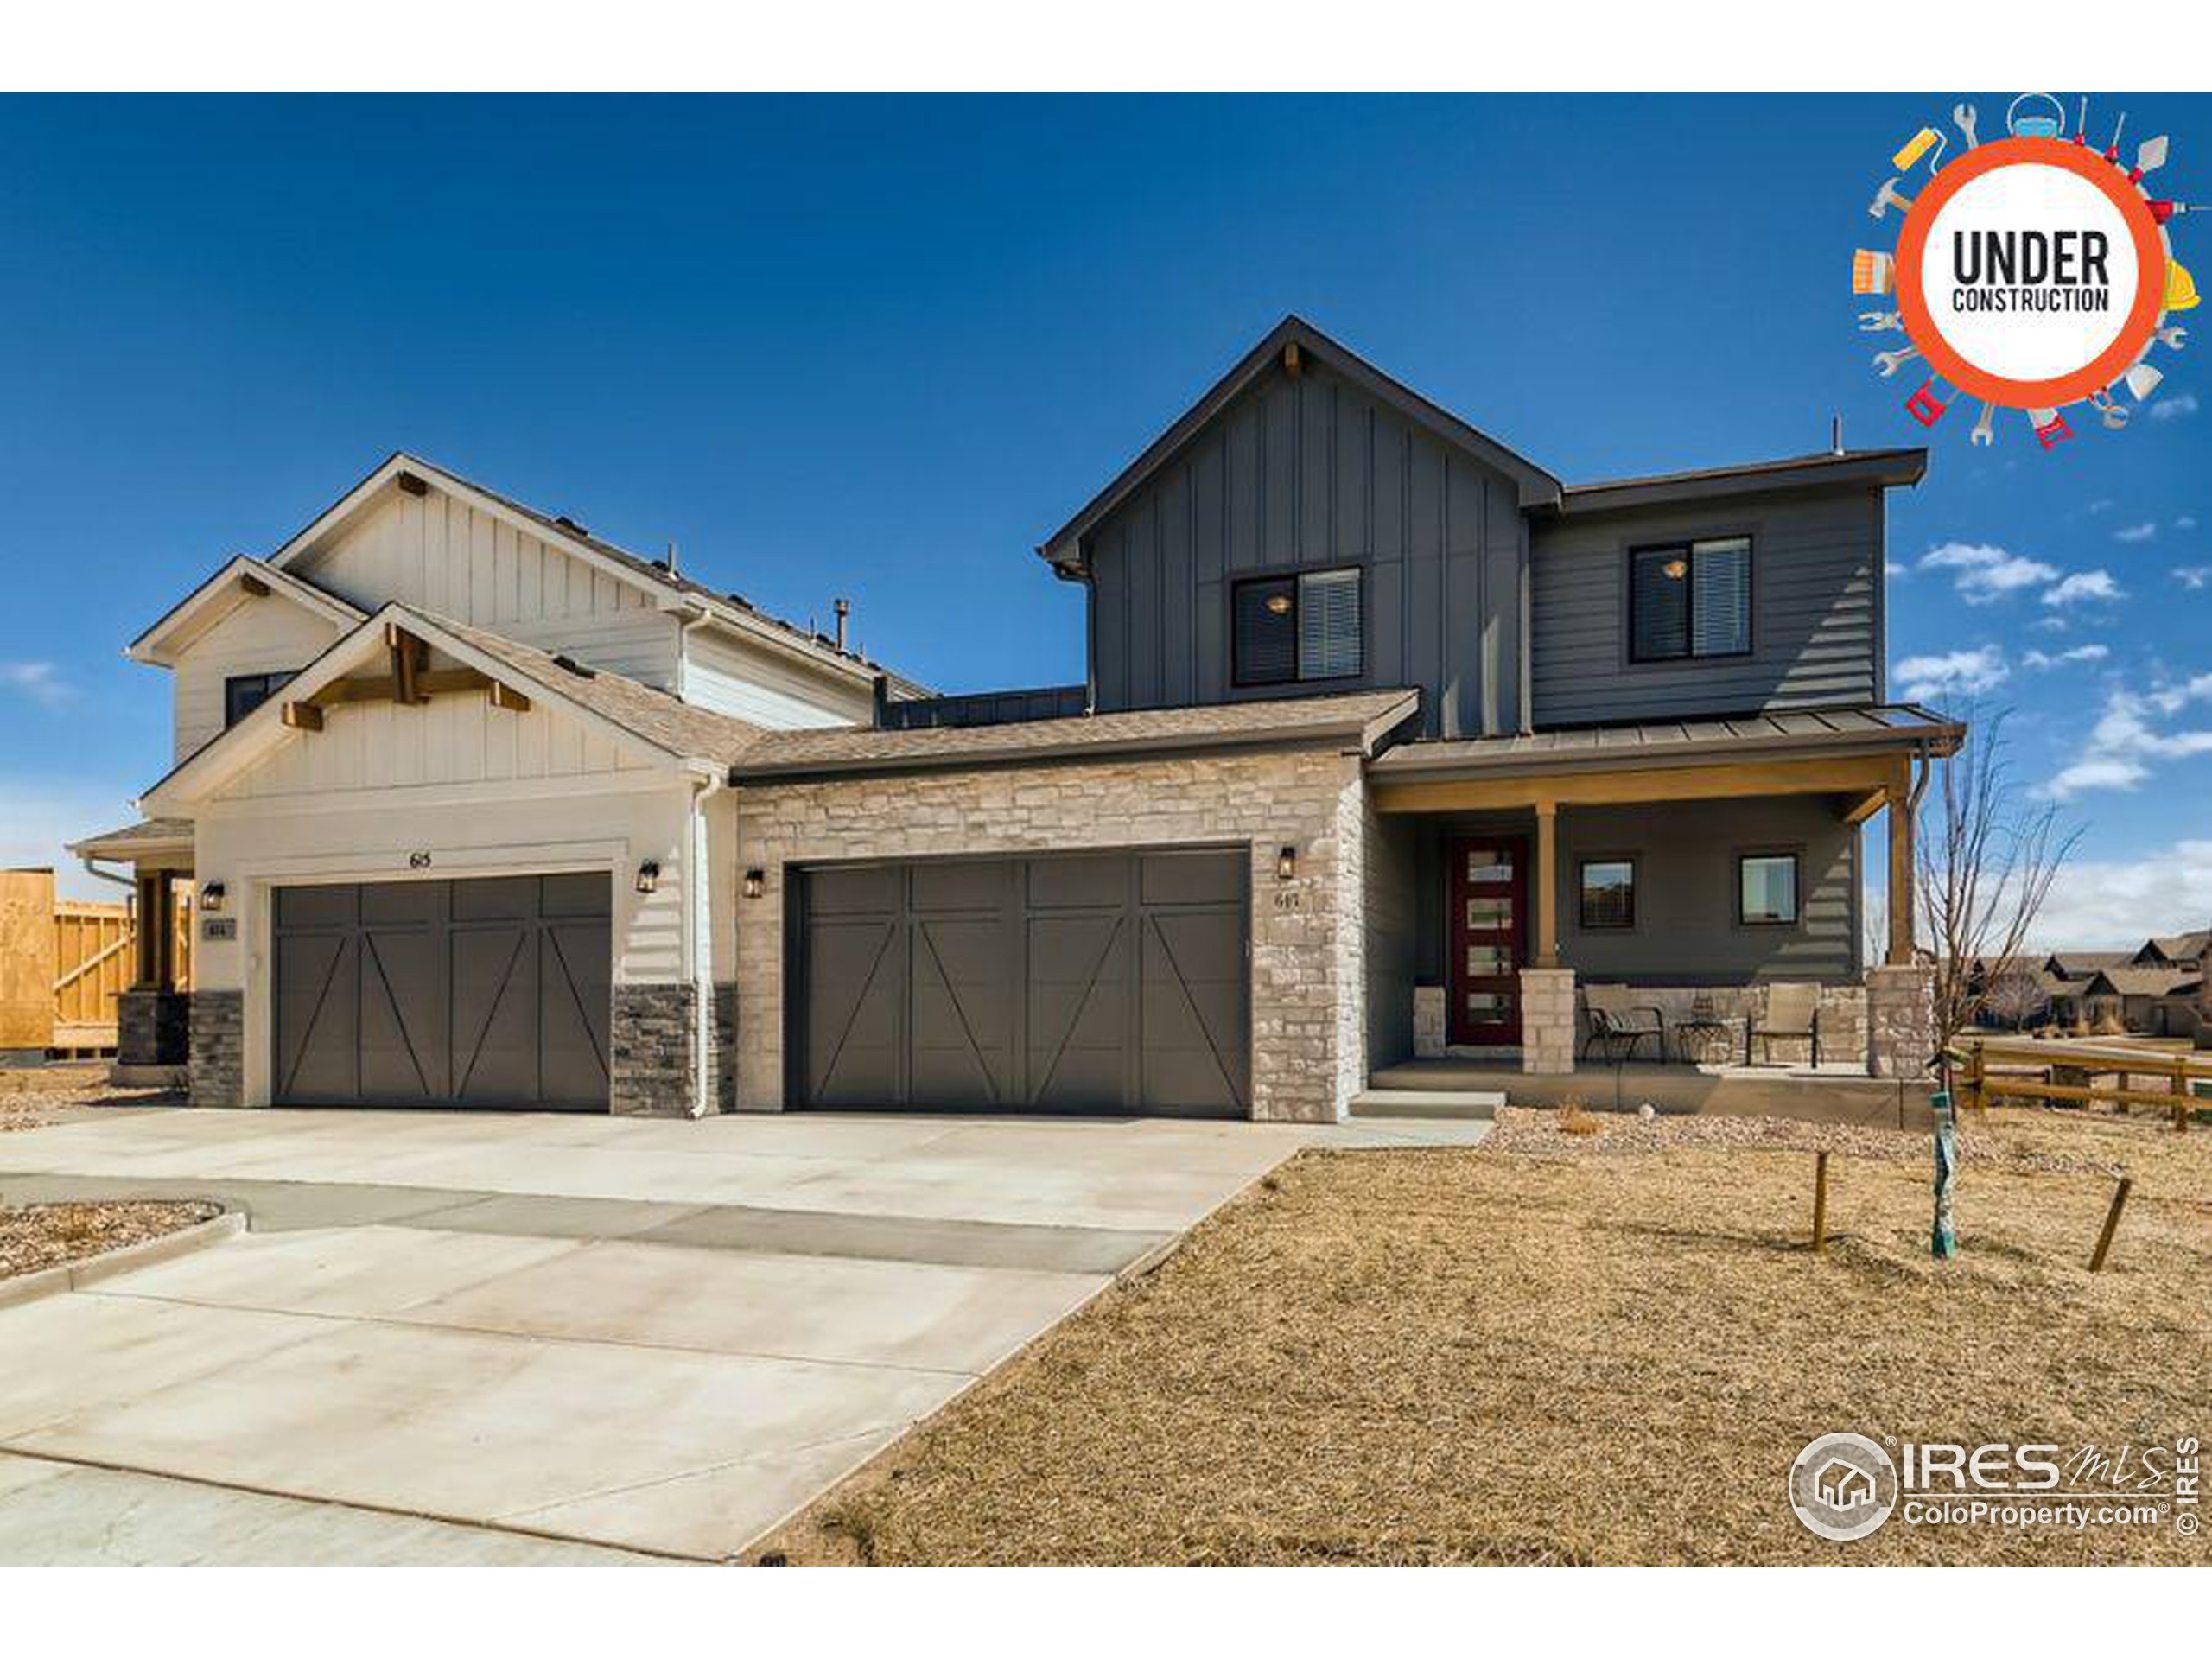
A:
302, 716
253, 587
410, 657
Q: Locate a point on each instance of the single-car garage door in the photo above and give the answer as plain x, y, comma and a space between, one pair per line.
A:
1115, 982
492, 992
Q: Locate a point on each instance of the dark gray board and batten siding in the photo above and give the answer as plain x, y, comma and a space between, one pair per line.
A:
1816, 611
1311, 472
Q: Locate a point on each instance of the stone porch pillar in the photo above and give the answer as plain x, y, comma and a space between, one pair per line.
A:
1547, 1020
1900, 1020
154, 1017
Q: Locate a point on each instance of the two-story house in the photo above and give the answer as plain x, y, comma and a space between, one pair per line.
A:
1386, 735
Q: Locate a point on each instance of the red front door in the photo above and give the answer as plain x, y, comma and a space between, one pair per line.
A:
1489, 883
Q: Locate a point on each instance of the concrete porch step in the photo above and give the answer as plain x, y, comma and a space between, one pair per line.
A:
1480, 1104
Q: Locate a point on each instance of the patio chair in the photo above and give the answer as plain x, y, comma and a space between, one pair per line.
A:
1791, 1011
1621, 1023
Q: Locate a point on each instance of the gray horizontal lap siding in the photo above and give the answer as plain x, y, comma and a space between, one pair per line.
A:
1310, 473
1816, 618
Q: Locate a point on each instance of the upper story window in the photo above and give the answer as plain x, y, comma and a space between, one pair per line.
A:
244, 693
1294, 628
1691, 599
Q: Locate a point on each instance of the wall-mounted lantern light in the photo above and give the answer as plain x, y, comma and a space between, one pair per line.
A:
211, 898
1278, 604
649, 876
755, 881
1286, 864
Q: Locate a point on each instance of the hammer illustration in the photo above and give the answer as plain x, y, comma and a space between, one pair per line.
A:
1887, 198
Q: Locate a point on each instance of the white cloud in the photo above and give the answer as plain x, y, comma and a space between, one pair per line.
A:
2128, 738
41, 682
2102, 504
2084, 584
2187, 521
2193, 576
1896, 571
2079, 654
1984, 573
2142, 532
2173, 409
1956, 673
2117, 904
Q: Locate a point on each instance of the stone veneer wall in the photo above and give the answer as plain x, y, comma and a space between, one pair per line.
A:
217, 1077
1308, 934
1547, 1020
722, 1049
652, 1052
1900, 1020
153, 1027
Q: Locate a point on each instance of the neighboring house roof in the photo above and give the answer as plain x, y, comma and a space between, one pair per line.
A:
1535, 486
1357, 721
2186, 948
1884, 468
621, 708
139, 840
733, 610
2079, 964
1597, 747
232, 585
2140, 981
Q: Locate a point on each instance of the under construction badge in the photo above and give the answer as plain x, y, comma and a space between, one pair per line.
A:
2033, 272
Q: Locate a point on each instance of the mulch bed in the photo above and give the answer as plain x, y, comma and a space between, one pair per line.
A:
1609, 1351
38, 1235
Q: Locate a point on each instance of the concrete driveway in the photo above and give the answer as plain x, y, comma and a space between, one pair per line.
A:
532, 1338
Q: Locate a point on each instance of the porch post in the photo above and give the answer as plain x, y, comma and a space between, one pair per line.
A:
1901, 895
1547, 879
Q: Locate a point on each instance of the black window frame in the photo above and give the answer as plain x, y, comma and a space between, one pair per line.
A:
1687, 548
1582, 922
1796, 859
270, 683
1294, 580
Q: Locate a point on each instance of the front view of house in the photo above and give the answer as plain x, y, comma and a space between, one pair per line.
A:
1389, 743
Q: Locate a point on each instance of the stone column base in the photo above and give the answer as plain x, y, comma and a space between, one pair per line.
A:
1428, 1020
153, 1027
1547, 1020
653, 1051
1900, 1020
218, 1073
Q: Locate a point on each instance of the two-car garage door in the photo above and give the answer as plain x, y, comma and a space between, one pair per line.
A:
490, 992
1113, 981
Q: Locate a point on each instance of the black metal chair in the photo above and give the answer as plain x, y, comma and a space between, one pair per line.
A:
1620, 1023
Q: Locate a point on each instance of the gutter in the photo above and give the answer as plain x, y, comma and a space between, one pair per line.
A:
1408, 761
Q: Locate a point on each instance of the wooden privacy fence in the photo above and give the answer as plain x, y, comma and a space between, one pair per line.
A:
2001, 1071
64, 961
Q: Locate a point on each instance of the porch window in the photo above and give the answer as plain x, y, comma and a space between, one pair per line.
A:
1766, 888
1608, 890
1690, 599
244, 693
1294, 628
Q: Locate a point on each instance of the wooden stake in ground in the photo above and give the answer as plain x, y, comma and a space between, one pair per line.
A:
1943, 1240
2112, 1223
1820, 1202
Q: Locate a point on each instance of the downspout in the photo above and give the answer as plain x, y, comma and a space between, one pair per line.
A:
688, 617
91, 868
699, 898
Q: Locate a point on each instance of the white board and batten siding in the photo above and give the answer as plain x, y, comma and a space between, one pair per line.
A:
750, 682
440, 554
259, 636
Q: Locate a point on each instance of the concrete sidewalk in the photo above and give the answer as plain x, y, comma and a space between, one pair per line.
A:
482, 1336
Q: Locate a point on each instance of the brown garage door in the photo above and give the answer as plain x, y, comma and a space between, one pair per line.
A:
483, 993
1115, 982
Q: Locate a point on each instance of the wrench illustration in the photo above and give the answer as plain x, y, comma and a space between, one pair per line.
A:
1983, 432
2170, 337
1963, 116
1874, 323
1890, 362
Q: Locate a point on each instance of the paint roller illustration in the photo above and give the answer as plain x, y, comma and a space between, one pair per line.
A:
1920, 144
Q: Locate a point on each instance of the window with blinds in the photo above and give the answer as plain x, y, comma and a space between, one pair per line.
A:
1294, 628
1690, 600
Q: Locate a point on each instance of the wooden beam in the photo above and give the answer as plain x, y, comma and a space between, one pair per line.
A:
1866, 806
507, 698
411, 484
1852, 775
253, 587
383, 688
302, 716
1901, 895
1547, 879
1291, 364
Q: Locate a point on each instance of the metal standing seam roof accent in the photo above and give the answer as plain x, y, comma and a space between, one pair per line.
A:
1880, 725
1885, 466
1365, 717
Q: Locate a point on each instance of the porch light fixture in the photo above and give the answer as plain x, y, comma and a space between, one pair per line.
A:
755, 881
1286, 864
211, 898
1277, 604
649, 876
1676, 568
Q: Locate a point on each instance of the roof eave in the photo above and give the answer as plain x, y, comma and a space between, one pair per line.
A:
150, 647
1419, 759
1883, 468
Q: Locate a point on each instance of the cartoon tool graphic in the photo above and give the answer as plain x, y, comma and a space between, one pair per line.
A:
1887, 198
1963, 117
1925, 405
2110, 411
1872, 272
1889, 362
1984, 433
2163, 211
2143, 380
1917, 146
2171, 337
2037, 123
2050, 426
2181, 287
2150, 157
1875, 322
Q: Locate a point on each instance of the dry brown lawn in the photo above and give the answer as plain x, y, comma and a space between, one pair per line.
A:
1605, 1348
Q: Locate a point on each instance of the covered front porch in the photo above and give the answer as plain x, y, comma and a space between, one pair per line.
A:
154, 1015
1683, 899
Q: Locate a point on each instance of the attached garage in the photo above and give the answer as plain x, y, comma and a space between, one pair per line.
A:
1112, 982
487, 992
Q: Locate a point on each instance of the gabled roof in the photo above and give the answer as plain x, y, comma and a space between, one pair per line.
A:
232, 585
140, 840
2079, 964
684, 736
669, 589
2182, 948
1064, 547
2130, 980
1357, 721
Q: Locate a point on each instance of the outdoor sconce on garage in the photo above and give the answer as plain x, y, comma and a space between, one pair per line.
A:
649, 876
211, 898
1286, 864
755, 881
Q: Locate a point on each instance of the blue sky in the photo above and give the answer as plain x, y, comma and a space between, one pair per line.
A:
882, 347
